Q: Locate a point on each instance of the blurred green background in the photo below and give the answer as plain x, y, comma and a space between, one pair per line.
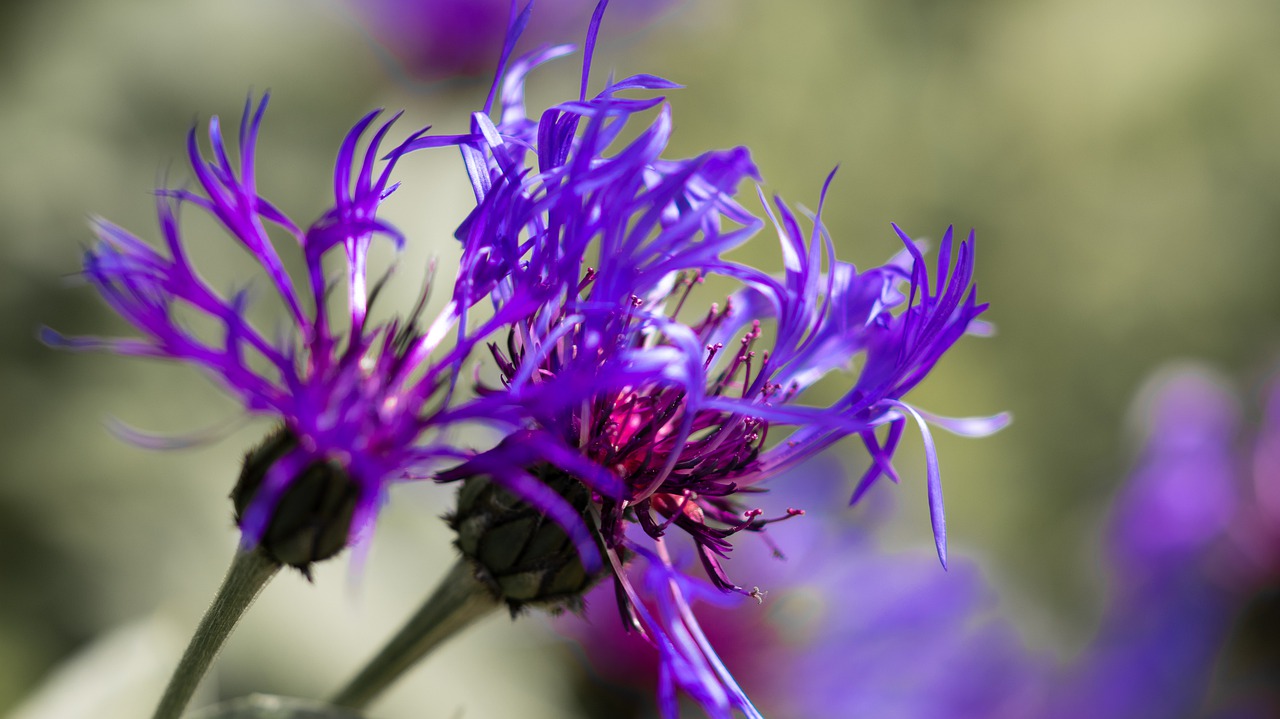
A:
1117, 160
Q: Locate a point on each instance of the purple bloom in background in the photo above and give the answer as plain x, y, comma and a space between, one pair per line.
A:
434, 39
1185, 489
355, 399
594, 246
1168, 615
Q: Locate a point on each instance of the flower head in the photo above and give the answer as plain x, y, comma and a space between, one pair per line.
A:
592, 246
354, 399
1184, 492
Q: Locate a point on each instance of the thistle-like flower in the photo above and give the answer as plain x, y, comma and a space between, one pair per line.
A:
663, 416
355, 400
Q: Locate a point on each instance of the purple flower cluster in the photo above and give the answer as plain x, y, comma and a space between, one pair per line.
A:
591, 248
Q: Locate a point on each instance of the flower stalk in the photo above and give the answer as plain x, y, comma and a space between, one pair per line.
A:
458, 601
249, 573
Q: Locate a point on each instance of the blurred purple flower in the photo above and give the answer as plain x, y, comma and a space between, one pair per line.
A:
435, 39
349, 393
1184, 491
1169, 615
594, 245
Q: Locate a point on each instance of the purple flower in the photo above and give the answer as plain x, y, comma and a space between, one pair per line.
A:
356, 400
594, 245
1169, 615
1184, 492
434, 39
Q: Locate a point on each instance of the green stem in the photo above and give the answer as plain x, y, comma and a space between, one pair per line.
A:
249, 573
458, 601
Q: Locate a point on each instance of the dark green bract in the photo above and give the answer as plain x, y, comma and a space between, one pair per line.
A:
521, 555
312, 519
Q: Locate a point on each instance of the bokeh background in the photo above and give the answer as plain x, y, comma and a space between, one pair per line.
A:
1117, 160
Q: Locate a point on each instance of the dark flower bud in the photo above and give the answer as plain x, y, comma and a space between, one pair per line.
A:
524, 557
312, 519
